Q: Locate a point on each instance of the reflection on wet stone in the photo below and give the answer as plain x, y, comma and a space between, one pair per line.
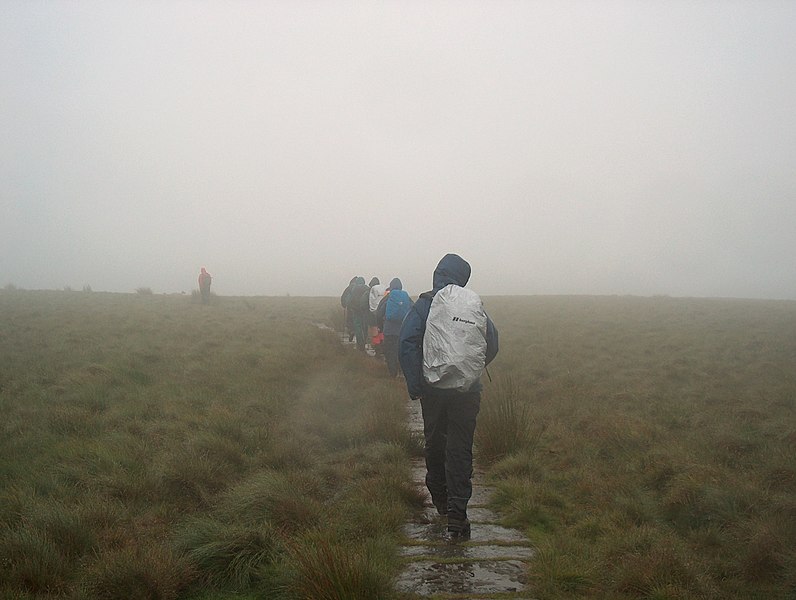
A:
480, 532
471, 577
464, 552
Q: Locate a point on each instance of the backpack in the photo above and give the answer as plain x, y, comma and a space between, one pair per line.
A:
359, 298
454, 345
376, 294
398, 305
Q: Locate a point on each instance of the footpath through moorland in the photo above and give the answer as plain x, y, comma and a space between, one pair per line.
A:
494, 562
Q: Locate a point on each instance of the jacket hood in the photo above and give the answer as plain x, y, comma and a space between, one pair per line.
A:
451, 269
359, 280
374, 281
396, 284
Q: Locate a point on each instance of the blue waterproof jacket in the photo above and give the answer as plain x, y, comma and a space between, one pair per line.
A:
451, 269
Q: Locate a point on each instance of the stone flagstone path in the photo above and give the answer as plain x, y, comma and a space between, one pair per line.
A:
494, 561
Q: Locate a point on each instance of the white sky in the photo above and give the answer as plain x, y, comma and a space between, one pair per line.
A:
560, 147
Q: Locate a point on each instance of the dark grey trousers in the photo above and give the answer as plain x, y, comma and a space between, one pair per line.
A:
448, 427
390, 345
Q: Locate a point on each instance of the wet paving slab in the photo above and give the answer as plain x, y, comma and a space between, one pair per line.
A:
475, 514
495, 560
480, 532
430, 577
466, 552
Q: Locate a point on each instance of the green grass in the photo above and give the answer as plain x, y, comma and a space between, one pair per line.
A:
664, 461
155, 447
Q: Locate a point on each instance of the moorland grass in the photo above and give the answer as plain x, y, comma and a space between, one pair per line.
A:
664, 464
154, 447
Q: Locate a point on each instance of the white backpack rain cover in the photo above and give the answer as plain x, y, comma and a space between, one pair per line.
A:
454, 345
376, 294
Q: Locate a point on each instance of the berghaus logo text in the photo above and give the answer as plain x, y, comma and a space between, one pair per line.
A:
460, 320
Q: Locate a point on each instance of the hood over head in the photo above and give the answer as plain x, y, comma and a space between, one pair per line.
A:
451, 269
374, 281
359, 280
396, 284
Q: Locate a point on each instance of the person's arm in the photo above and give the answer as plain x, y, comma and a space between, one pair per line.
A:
380, 311
410, 349
491, 340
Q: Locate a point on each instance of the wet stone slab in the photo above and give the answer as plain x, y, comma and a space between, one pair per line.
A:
481, 495
427, 578
464, 552
476, 515
419, 471
479, 532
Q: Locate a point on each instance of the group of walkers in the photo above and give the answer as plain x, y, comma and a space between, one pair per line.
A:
442, 344
373, 316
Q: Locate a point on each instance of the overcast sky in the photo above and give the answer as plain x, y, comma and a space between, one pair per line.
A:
560, 147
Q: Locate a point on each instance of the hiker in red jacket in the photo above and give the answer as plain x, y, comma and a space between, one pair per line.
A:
204, 285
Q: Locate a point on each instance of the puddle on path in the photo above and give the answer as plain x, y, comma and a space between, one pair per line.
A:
428, 577
465, 552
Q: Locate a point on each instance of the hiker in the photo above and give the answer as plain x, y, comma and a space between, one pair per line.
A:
358, 303
390, 314
446, 340
204, 285
348, 319
377, 291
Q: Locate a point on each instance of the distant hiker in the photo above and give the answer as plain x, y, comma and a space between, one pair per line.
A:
345, 297
204, 285
445, 342
390, 314
358, 306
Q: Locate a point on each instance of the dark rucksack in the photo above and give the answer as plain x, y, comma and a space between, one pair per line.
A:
360, 298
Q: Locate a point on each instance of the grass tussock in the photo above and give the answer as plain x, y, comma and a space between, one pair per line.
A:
227, 555
327, 570
506, 424
136, 573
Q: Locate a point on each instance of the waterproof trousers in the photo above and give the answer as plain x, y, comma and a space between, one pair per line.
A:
390, 346
448, 428
359, 330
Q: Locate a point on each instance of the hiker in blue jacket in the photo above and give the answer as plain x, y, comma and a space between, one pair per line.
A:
390, 313
449, 415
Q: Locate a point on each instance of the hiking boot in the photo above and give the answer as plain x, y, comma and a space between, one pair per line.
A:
458, 531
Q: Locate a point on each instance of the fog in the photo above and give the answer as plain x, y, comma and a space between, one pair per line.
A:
560, 147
